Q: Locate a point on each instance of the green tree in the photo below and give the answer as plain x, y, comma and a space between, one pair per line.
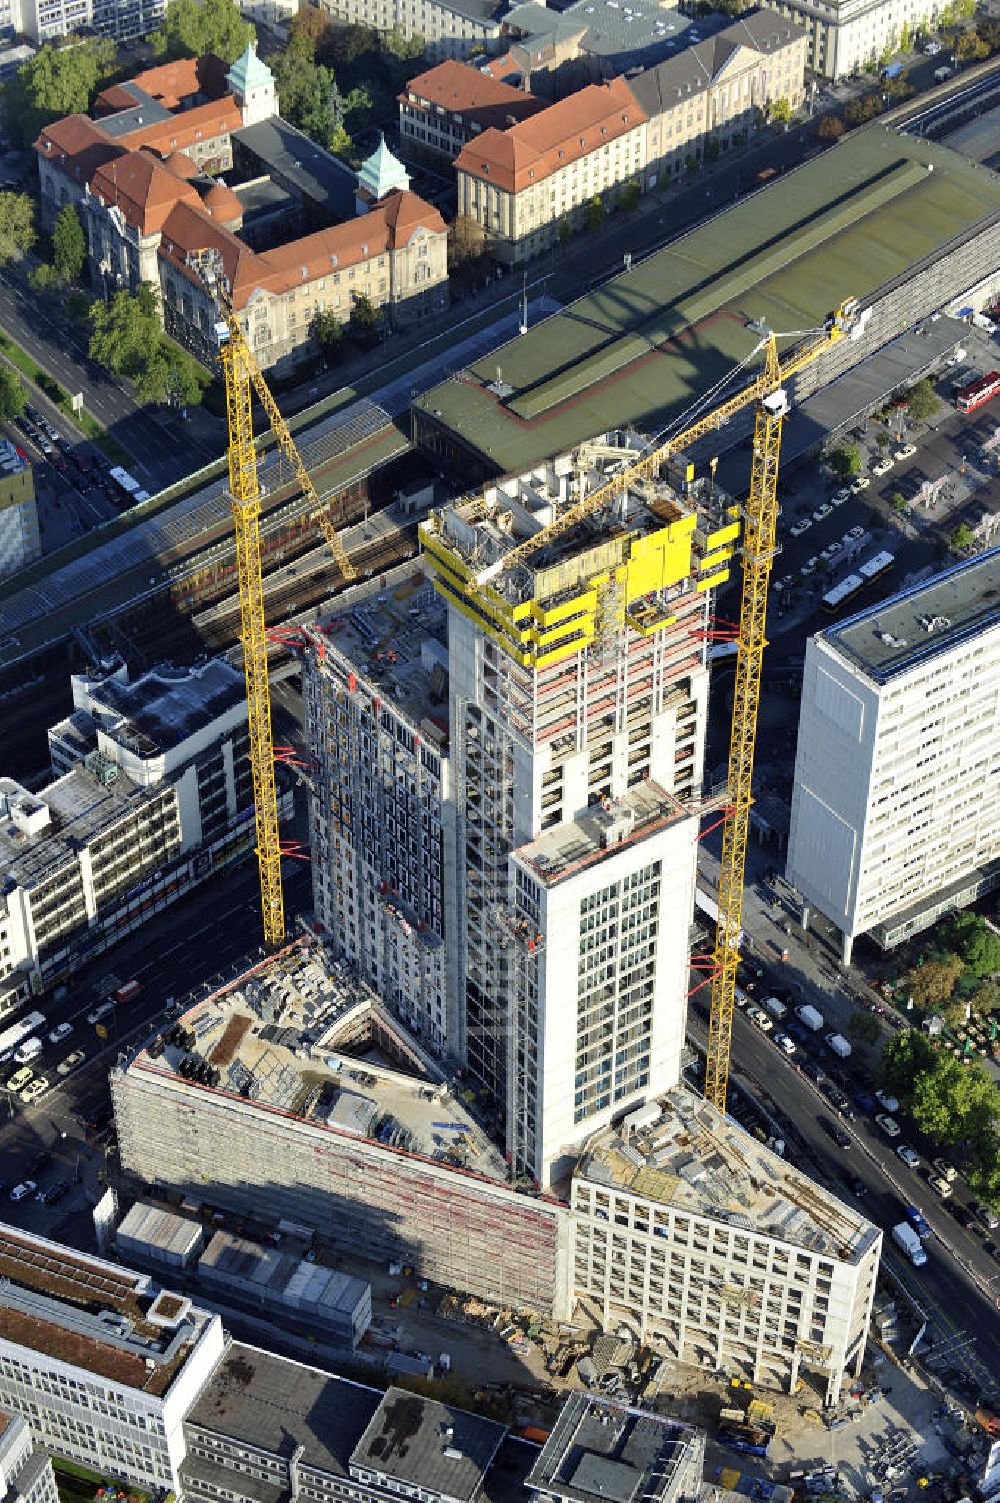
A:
898, 501
970, 47
961, 537
125, 331
306, 90
712, 149
348, 44
17, 226
845, 461
986, 997
13, 397
863, 1027
44, 278
358, 108
57, 81
690, 164
366, 321
984, 1171
931, 984
404, 48
466, 242
905, 38
903, 1057
882, 439
953, 1102
593, 212
829, 128
565, 230
921, 402
170, 375
310, 29
193, 27
628, 197
982, 953
781, 111
328, 331
69, 244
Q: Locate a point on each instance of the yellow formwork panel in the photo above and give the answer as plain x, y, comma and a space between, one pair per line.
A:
710, 581
549, 615
726, 534
714, 560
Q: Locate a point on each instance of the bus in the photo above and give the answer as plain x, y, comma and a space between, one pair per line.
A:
854, 585
978, 392
125, 483
18, 1032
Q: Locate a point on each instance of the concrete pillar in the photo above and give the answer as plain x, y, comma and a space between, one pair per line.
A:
806, 914
846, 947
793, 1372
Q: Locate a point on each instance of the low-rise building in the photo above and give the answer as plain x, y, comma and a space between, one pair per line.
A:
895, 804
20, 541
152, 793
448, 28
599, 1449
846, 35
717, 90
690, 1230
102, 1363
442, 109
525, 185
26, 1474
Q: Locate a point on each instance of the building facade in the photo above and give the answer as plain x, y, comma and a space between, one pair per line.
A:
152, 793
26, 1474
20, 541
895, 771
51, 20
848, 34
448, 28
718, 91
577, 694
442, 109
784, 1282
531, 183
105, 1370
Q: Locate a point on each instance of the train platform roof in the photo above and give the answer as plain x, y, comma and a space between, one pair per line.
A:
640, 350
137, 554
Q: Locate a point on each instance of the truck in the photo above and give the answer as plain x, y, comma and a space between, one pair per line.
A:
838, 1044
810, 1017
18, 1032
906, 1238
776, 1008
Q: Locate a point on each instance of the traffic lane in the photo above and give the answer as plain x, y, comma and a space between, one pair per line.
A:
944, 1282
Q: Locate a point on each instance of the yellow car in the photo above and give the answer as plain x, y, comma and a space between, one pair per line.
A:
19, 1079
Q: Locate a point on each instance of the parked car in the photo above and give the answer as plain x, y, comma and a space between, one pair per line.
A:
784, 1043
798, 528
29, 1050
854, 535
918, 1221
830, 552
34, 1089
71, 1061
985, 1214
835, 1131
838, 1100
865, 1103
906, 452
839, 497
809, 567
888, 1124
22, 1190
861, 484
961, 1213
882, 468
947, 1171
19, 1079
61, 1032
813, 1070
822, 511
760, 1019
910, 1156
940, 1186
101, 1012
932, 48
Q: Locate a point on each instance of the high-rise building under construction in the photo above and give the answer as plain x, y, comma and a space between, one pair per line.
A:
543, 865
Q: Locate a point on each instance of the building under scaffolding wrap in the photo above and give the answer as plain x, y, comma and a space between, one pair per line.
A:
577, 695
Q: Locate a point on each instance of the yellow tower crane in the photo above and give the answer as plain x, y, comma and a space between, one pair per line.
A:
242, 376
758, 549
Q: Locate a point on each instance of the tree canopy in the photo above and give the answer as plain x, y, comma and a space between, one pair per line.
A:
193, 27
845, 461
949, 1100
57, 81
69, 244
13, 397
931, 984
921, 401
128, 341
308, 92
17, 226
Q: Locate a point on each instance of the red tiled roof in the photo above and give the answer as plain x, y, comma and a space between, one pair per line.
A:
563, 133
476, 96
142, 188
78, 146
169, 83
219, 117
389, 225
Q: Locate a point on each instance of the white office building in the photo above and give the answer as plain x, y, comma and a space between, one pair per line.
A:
844, 35
26, 1474
152, 793
102, 1363
896, 804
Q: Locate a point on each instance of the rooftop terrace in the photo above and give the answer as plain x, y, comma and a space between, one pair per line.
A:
680, 1151
396, 635
92, 1313
923, 622
300, 1035
641, 349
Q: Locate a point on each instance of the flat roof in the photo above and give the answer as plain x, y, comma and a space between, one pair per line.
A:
600, 1451
315, 173
80, 808
569, 848
287, 1277
393, 631
921, 623
273, 1402
296, 1065
418, 1442
644, 347
161, 1229
631, 33
680, 1151
167, 705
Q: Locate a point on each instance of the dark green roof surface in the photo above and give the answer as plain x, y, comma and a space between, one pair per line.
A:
642, 348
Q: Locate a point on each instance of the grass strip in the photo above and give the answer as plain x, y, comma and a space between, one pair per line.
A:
47, 384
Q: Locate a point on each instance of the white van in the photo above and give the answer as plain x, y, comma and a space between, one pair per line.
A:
777, 1009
